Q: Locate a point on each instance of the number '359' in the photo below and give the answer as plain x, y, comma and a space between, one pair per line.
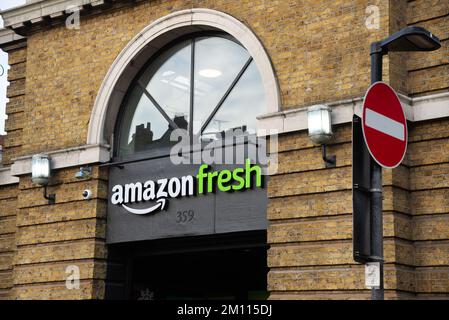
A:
185, 216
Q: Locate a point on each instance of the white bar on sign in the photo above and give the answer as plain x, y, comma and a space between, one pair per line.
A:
384, 124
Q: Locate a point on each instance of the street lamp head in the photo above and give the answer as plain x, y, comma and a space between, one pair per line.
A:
320, 124
320, 130
410, 39
41, 174
40, 169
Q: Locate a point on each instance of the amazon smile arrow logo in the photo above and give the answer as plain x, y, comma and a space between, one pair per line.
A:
160, 205
204, 182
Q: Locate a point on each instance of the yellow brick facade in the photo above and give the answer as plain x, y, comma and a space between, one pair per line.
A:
320, 53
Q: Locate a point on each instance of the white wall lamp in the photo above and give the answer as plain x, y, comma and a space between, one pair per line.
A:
84, 173
41, 173
320, 130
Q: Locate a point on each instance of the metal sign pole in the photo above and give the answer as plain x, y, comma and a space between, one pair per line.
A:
367, 192
377, 293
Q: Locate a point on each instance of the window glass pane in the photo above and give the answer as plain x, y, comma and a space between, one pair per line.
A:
167, 79
143, 125
245, 102
217, 63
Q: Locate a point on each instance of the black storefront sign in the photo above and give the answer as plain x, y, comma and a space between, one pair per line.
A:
188, 214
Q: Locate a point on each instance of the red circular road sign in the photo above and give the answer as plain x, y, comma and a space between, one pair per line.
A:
384, 125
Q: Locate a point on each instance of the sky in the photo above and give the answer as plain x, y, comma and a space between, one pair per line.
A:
5, 4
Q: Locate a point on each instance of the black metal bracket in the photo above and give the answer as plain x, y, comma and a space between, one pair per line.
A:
50, 197
375, 259
376, 48
359, 187
331, 161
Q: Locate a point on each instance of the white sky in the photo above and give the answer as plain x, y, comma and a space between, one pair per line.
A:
5, 4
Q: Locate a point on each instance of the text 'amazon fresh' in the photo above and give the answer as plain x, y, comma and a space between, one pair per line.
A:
206, 181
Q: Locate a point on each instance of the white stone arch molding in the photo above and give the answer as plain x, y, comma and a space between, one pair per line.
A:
132, 58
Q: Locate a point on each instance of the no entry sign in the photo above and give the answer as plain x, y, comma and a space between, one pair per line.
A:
384, 125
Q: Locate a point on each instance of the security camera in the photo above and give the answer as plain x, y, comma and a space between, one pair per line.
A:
87, 194
84, 173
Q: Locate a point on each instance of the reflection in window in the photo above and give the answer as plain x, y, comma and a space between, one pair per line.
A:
233, 114
227, 93
217, 63
168, 80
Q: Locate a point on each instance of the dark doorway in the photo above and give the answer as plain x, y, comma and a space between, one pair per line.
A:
226, 266
220, 274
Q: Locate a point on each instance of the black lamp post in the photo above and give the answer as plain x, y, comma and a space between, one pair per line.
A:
367, 174
408, 39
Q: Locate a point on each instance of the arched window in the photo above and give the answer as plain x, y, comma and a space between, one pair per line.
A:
227, 94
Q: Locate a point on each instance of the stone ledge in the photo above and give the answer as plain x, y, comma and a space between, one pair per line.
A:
8, 36
416, 109
6, 177
33, 15
64, 158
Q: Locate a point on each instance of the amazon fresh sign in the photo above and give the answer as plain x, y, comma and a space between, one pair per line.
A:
157, 193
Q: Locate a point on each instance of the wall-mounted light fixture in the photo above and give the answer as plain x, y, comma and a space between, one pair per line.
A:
320, 130
84, 173
41, 172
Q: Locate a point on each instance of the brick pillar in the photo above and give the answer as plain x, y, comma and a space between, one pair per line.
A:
310, 233
8, 202
310, 213
17, 57
69, 234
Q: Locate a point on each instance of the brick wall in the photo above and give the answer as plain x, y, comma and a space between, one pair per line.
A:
11, 147
429, 207
8, 212
429, 72
310, 206
310, 210
17, 56
1, 150
320, 52
51, 238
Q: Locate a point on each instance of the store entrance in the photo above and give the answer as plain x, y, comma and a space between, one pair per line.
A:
221, 274
230, 266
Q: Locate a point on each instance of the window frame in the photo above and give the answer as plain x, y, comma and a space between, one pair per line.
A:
161, 152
